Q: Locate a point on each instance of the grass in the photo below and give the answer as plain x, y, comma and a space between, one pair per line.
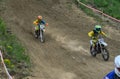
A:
14, 53
110, 7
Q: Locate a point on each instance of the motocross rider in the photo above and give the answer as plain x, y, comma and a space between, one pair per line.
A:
37, 22
114, 74
94, 34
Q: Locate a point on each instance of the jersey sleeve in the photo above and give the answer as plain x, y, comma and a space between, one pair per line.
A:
43, 22
35, 22
90, 34
103, 33
110, 75
105, 78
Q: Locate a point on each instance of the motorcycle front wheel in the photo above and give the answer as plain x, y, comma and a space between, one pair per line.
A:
42, 38
105, 54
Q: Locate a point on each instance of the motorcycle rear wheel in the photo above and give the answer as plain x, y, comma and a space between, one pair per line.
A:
92, 51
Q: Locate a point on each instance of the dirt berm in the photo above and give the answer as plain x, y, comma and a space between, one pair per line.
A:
65, 53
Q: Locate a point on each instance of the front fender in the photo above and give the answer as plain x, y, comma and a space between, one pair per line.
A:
104, 43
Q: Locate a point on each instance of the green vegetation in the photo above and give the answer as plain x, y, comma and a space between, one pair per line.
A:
110, 7
13, 52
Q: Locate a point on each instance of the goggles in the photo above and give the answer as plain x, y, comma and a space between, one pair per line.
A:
98, 29
118, 68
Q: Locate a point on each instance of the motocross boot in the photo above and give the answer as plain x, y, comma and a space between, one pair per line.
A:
36, 34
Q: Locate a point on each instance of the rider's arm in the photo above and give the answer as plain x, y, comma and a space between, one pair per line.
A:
103, 34
90, 34
43, 22
35, 22
105, 78
110, 75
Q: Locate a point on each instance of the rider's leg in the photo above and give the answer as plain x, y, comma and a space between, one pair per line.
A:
94, 43
36, 33
91, 42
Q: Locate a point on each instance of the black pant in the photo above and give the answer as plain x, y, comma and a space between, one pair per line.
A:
37, 32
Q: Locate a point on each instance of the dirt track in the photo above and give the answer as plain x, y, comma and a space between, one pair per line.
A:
65, 54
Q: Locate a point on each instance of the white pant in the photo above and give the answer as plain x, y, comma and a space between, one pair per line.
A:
91, 42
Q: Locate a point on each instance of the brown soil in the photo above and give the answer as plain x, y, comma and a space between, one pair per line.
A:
65, 54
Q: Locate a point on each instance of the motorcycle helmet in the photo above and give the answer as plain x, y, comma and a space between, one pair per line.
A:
97, 28
39, 17
117, 65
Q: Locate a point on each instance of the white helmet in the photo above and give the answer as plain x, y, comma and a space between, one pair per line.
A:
117, 65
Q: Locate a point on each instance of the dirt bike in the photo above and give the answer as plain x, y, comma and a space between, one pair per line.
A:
100, 48
40, 33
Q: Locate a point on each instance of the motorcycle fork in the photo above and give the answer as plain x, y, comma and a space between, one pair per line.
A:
101, 49
40, 33
98, 48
